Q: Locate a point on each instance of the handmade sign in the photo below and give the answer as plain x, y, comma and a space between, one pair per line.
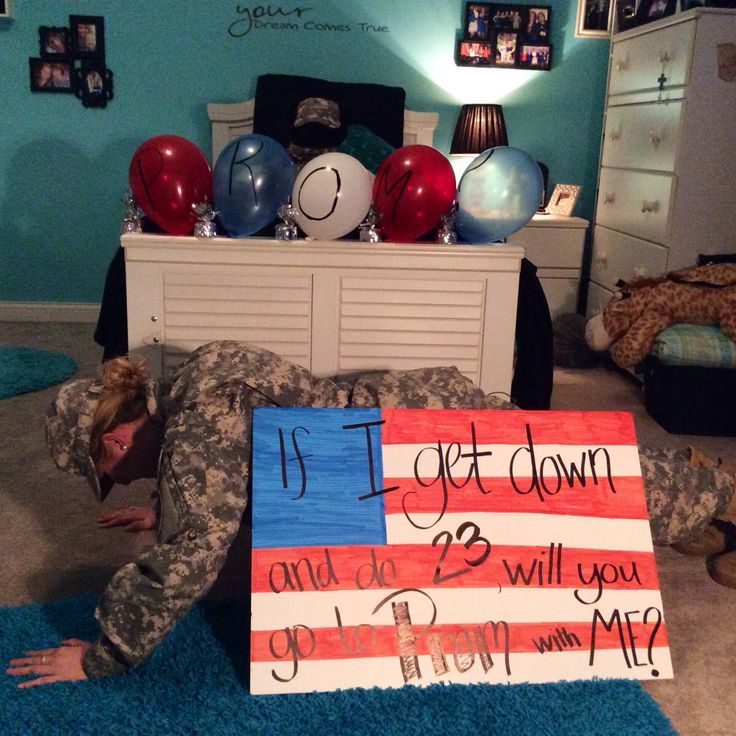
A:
414, 546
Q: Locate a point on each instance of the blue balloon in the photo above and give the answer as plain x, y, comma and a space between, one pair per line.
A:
252, 178
497, 195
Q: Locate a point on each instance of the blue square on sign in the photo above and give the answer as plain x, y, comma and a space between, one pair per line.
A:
310, 468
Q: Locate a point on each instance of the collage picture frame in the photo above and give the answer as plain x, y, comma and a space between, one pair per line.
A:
505, 35
72, 60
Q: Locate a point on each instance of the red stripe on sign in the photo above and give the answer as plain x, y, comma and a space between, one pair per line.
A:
504, 427
458, 642
449, 564
617, 498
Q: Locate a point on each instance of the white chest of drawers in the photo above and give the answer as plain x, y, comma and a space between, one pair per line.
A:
667, 181
331, 306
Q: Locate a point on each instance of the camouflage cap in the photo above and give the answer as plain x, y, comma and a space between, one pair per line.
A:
69, 423
317, 110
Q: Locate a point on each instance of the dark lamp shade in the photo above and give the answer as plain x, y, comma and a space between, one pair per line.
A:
479, 127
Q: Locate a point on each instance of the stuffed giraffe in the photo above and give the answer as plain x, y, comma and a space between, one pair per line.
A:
701, 295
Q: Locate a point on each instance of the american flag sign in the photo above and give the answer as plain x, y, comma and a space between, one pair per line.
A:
415, 546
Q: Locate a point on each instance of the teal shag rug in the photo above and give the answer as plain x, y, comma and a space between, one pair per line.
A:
195, 683
29, 369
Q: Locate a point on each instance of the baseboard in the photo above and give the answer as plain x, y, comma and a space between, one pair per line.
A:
48, 312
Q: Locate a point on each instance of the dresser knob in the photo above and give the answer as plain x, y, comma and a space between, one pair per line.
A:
655, 138
154, 318
649, 206
664, 57
156, 340
601, 258
621, 64
609, 197
615, 134
640, 272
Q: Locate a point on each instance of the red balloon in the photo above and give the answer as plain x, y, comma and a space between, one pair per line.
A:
413, 188
167, 175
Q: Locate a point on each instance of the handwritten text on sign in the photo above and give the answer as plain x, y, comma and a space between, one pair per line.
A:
395, 546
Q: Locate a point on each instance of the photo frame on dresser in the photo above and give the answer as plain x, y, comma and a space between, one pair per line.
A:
562, 201
594, 18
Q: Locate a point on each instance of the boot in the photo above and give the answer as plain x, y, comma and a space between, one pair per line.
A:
722, 568
712, 541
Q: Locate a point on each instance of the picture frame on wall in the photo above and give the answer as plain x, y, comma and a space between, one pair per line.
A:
650, 10
5, 10
53, 42
537, 19
562, 201
93, 85
477, 23
87, 34
474, 53
594, 18
506, 48
505, 17
51, 75
535, 56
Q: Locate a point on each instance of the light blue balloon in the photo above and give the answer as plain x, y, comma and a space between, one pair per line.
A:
497, 195
252, 178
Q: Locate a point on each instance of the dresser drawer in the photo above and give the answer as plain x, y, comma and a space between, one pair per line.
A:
637, 62
554, 247
635, 203
642, 136
618, 256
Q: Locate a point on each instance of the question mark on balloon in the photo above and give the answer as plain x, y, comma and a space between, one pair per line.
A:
653, 635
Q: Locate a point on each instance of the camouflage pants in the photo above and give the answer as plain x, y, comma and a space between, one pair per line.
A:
681, 499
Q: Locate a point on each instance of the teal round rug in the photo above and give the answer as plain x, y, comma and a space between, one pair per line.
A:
29, 369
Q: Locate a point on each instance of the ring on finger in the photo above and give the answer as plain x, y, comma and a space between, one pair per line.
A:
43, 659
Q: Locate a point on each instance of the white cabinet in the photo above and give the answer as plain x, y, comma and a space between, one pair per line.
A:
336, 306
554, 244
668, 158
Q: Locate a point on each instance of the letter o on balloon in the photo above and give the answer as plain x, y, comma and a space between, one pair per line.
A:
414, 187
332, 195
167, 175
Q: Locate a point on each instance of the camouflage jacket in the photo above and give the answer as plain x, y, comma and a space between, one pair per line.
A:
204, 470
201, 492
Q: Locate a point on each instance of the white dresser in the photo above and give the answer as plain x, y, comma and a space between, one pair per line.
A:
555, 244
331, 306
667, 180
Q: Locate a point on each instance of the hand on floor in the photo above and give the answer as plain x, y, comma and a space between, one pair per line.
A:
57, 664
133, 518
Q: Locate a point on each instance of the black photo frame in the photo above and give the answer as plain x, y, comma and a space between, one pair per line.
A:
535, 56
537, 23
474, 53
54, 42
477, 22
87, 33
93, 85
506, 48
51, 75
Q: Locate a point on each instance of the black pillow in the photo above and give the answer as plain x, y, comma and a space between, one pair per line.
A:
379, 107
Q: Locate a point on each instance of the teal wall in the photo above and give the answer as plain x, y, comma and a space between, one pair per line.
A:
63, 167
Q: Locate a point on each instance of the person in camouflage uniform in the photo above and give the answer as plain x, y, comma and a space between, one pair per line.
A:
199, 431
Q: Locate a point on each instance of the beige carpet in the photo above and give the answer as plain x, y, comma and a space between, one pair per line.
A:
52, 548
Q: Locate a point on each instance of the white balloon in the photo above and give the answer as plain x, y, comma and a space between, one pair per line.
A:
332, 195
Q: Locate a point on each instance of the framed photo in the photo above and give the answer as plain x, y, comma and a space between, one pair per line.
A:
594, 18
537, 23
650, 10
477, 23
563, 199
535, 56
474, 53
507, 17
5, 11
51, 75
507, 47
93, 85
54, 42
87, 34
